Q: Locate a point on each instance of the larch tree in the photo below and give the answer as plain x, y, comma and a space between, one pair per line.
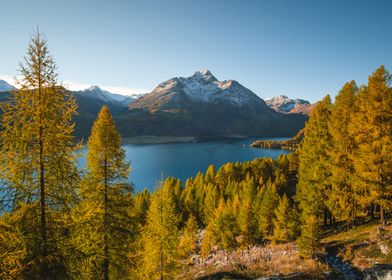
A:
246, 217
265, 210
160, 238
372, 127
342, 198
313, 175
108, 226
189, 238
38, 156
281, 224
223, 229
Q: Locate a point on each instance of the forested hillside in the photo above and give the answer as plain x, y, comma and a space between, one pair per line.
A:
61, 222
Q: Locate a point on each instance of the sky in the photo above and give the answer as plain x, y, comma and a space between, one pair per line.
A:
303, 49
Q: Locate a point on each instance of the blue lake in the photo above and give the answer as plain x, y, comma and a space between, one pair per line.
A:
183, 160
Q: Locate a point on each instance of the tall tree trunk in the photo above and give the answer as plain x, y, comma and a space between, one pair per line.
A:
42, 174
43, 208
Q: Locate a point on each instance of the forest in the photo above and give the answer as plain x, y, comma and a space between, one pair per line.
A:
59, 221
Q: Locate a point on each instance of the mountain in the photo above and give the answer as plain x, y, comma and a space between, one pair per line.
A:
90, 101
198, 106
4, 86
203, 106
96, 92
284, 104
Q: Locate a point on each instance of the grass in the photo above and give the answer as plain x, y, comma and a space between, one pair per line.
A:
361, 244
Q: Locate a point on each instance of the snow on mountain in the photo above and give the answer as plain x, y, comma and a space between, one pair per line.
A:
203, 106
4, 86
108, 97
202, 86
284, 104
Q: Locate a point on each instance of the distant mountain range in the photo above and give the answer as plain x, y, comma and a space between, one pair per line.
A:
203, 106
199, 105
286, 105
4, 86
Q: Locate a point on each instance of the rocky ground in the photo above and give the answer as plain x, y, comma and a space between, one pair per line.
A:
364, 252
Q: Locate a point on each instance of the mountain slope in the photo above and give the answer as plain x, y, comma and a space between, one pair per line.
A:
284, 104
90, 101
202, 106
4, 86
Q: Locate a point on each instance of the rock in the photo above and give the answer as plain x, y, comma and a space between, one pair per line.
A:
384, 248
378, 272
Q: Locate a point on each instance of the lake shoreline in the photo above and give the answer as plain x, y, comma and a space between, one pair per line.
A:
158, 139
174, 139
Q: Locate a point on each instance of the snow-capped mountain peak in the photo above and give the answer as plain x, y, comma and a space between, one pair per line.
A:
284, 104
108, 97
4, 86
94, 88
201, 87
204, 75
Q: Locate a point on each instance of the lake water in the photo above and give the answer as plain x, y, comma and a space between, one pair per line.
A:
184, 160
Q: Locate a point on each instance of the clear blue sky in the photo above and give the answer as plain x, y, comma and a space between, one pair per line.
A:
303, 49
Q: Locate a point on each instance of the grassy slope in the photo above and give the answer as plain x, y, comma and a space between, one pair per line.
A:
361, 244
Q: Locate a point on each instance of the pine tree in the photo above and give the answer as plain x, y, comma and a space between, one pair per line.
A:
372, 127
342, 199
107, 199
160, 238
314, 175
38, 154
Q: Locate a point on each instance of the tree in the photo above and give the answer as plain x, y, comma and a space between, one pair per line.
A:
314, 173
160, 238
246, 218
342, 198
141, 204
310, 234
223, 227
285, 221
107, 200
12, 248
38, 153
265, 212
189, 238
372, 127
